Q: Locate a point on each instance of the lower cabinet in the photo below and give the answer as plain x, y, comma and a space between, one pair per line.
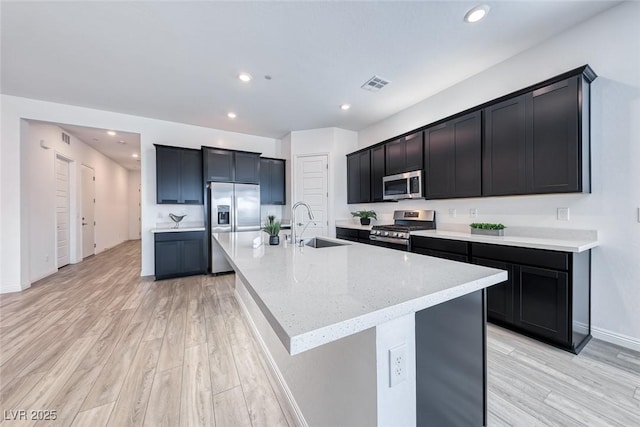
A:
454, 250
352, 234
179, 253
546, 296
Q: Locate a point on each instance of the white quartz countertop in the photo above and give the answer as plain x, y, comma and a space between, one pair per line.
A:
565, 244
353, 225
170, 228
315, 296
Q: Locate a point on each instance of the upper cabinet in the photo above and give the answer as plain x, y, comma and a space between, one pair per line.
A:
359, 177
272, 181
452, 160
178, 175
404, 154
557, 147
377, 173
231, 166
503, 160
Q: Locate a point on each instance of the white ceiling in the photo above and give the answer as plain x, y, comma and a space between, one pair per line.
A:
179, 61
119, 147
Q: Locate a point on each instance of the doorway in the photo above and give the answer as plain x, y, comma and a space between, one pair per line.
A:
311, 187
63, 243
88, 197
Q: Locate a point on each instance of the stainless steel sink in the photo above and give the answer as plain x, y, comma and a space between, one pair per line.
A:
322, 243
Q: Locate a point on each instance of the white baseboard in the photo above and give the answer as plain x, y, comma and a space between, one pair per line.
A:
615, 338
300, 421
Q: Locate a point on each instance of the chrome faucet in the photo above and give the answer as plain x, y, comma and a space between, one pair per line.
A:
293, 220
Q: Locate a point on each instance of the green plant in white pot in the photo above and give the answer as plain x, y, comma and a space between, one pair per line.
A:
365, 216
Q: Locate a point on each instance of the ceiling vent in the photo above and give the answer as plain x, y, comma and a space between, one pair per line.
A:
66, 138
375, 83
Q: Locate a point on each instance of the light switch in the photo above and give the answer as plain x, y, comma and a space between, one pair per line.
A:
452, 213
473, 213
563, 214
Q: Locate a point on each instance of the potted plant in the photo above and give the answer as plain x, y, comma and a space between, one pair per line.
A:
487, 229
272, 228
365, 216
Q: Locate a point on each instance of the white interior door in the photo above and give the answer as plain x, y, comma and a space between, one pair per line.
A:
87, 185
312, 187
62, 212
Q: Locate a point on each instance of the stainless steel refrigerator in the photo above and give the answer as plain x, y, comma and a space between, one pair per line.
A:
234, 207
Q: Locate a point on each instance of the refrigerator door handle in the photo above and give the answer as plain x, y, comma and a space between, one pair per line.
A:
234, 210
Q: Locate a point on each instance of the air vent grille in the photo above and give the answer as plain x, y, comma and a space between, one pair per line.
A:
375, 83
66, 138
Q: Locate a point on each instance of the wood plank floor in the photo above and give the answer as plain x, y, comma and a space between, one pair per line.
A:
102, 346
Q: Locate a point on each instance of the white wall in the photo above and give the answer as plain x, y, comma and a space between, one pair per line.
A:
611, 45
14, 229
336, 143
110, 194
133, 199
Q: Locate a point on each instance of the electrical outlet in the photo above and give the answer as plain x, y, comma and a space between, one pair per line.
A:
397, 365
473, 213
452, 213
563, 214
46, 258
638, 214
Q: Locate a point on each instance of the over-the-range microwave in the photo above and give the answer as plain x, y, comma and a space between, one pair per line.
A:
406, 185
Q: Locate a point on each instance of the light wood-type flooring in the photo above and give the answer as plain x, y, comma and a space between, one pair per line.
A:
101, 346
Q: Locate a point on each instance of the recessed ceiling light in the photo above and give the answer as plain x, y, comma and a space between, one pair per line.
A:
231, 115
110, 132
477, 13
134, 155
245, 77
345, 107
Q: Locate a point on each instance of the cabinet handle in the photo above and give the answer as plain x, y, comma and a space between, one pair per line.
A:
169, 201
192, 201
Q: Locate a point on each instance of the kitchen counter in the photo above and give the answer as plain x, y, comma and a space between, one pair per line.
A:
315, 296
565, 241
169, 227
331, 320
353, 225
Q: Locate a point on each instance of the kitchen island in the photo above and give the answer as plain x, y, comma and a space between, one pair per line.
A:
363, 335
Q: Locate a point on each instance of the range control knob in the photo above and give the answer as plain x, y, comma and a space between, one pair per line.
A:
385, 233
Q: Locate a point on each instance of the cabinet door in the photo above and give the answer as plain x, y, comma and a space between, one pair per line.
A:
247, 168
377, 173
413, 147
278, 185
365, 176
553, 138
192, 255
467, 146
395, 156
191, 186
439, 161
167, 175
500, 296
167, 259
542, 303
265, 182
503, 167
359, 177
218, 165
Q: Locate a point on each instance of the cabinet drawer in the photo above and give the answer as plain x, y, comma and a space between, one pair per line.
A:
346, 233
526, 256
440, 254
179, 236
454, 246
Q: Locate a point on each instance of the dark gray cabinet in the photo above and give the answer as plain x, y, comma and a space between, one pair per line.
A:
179, 254
557, 150
222, 165
503, 159
404, 154
359, 177
546, 297
272, 181
352, 235
178, 175
377, 173
453, 158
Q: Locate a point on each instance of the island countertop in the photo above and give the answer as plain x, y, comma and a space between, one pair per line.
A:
313, 296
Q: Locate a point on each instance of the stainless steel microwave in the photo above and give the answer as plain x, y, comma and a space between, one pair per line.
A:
402, 186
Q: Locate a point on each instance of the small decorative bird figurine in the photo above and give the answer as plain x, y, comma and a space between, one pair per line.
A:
176, 219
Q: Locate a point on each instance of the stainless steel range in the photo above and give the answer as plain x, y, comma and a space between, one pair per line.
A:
397, 236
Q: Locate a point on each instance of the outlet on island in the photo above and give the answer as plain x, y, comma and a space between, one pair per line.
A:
397, 365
